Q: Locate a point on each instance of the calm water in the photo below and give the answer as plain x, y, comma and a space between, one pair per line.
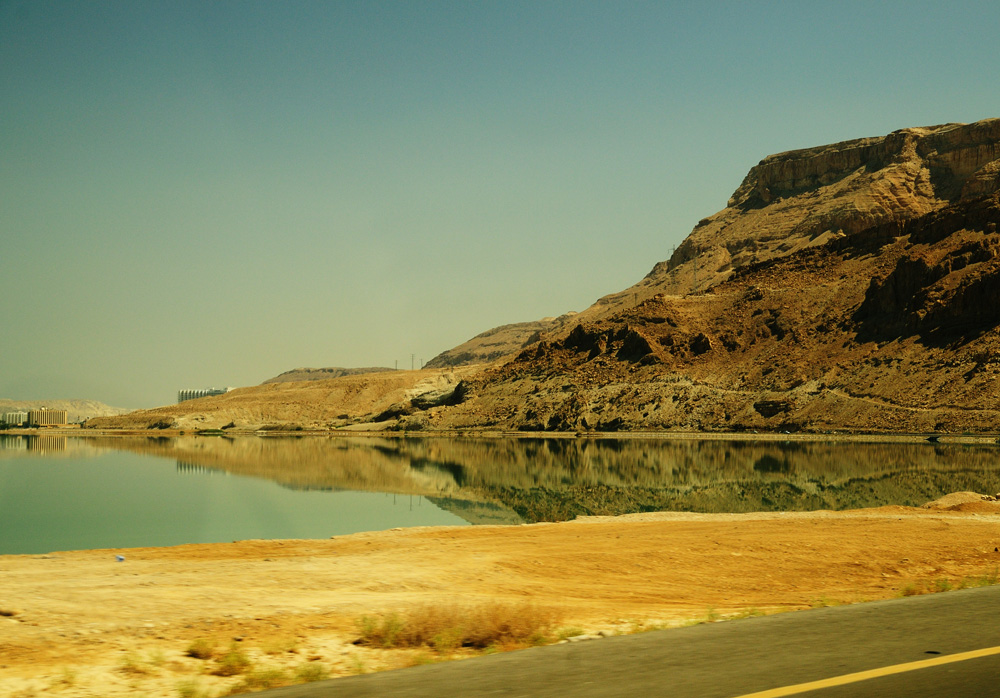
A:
69, 493
86, 498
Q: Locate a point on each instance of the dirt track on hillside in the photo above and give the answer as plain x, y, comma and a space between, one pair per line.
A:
79, 622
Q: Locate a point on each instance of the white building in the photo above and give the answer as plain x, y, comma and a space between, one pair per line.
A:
15, 419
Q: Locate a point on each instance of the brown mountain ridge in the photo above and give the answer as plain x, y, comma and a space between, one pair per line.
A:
852, 286
318, 374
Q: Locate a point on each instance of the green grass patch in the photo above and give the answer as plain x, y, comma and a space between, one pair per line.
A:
987, 579
568, 632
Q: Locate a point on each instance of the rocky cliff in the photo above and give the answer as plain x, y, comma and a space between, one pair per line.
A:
848, 286
854, 286
805, 198
792, 201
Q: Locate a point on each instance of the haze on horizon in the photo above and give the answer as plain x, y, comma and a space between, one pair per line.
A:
197, 194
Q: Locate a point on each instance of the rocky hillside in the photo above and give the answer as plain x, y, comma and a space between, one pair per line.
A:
319, 374
852, 286
370, 401
793, 201
500, 342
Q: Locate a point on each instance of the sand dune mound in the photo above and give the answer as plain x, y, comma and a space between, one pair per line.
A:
966, 501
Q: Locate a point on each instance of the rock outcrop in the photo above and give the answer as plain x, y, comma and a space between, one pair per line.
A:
806, 198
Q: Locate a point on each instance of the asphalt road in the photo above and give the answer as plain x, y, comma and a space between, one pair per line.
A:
734, 658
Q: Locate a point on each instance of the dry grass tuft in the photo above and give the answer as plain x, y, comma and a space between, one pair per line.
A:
281, 645
67, 677
201, 649
261, 679
233, 662
446, 628
191, 689
313, 671
131, 665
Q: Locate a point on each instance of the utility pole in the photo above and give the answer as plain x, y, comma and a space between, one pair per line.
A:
411, 361
397, 364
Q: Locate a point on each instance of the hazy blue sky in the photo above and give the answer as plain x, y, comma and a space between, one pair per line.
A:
211, 193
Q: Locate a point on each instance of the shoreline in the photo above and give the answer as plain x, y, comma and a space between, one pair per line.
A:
72, 621
845, 437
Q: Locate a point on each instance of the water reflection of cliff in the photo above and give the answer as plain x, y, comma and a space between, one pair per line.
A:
551, 479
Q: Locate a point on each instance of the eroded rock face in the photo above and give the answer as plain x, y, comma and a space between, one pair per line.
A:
946, 285
936, 162
803, 198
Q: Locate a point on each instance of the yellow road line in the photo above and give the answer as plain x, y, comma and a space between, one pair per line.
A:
871, 674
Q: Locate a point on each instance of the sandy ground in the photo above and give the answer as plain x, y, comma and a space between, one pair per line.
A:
84, 624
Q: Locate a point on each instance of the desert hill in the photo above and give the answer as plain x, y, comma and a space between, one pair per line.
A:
385, 399
499, 342
850, 286
318, 374
76, 410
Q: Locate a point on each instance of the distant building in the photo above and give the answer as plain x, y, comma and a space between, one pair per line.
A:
195, 393
47, 418
14, 419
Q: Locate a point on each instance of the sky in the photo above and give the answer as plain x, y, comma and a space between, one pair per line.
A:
204, 194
